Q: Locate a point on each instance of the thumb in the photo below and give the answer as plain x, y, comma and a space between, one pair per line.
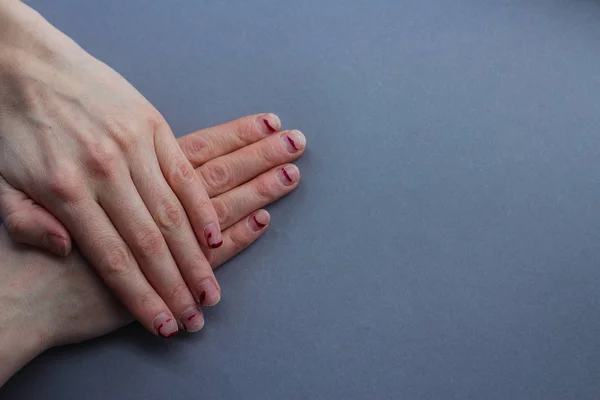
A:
29, 223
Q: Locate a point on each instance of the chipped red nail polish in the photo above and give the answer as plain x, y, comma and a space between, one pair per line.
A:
165, 325
291, 142
287, 176
210, 294
260, 225
170, 335
216, 245
213, 236
269, 127
192, 319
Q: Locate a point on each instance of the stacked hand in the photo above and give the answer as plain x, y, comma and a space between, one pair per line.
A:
85, 157
59, 300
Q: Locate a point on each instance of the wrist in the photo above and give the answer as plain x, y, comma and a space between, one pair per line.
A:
19, 343
26, 36
23, 335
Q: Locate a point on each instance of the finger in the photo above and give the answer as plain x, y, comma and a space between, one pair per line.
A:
233, 169
184, 182
115, 264
136, 226
264, 189
29, 223
240, 236
170, 217
206, 144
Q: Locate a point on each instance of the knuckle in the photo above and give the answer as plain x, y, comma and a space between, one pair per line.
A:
268, 154
16, 225
198, 263
170, 216
117, 262
155, 120
263, 190
179, 291
238, 242
123, 131
183, 174
221, 209
217, 176
148, 300
197, 149
66, 184
149, 242
101, 159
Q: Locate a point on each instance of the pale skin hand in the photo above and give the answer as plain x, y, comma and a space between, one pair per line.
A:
59, 300
79, 141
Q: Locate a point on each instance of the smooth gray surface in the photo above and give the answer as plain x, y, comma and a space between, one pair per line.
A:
445, 241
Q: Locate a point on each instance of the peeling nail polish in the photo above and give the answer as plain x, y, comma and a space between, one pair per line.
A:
257, 225
165, 325
271, 122
213, 236
192, 319
293, 141
209, 293
288, 175
268, 125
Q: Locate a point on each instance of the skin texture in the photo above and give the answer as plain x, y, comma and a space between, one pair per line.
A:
47, 301
100, 165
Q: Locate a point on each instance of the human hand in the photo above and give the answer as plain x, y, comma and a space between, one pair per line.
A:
59, 300
87, 149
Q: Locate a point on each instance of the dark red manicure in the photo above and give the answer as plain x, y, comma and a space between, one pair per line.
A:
166, 335
213, 236
287, 176
291, 141
202, 296
216, 245
269, 127
260, 225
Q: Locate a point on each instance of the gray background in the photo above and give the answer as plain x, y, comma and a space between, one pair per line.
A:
444, 243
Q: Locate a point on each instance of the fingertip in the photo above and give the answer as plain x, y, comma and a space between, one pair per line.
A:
259, 221
56, 244
212, 236
269, 122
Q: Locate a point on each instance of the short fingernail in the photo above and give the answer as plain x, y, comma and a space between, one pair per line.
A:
165, 325
208, 293
270, 123
293, 141
288, 175
259, 220
192, 319
213, 236
56, 244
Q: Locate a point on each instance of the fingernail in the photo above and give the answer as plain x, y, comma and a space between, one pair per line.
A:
293, 141
270, 122
288, 175
56, 244
213, 236
259, 220
165, 325
209, 293
192, 319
